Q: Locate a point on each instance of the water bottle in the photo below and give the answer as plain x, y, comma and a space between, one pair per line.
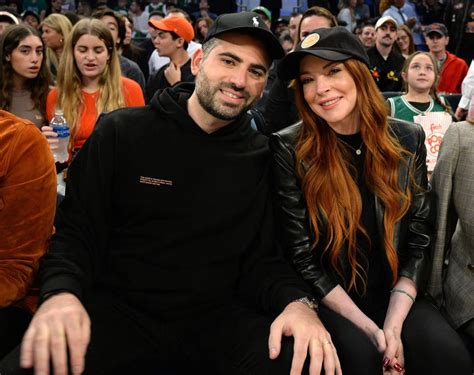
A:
61, 128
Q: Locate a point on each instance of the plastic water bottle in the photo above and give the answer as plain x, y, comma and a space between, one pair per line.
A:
61, 128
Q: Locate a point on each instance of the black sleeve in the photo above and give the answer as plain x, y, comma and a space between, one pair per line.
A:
268, 280
294, 232
280, 110
83, 219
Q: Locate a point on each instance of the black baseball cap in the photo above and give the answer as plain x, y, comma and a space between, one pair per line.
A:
249, 23
438, 28
27, 13
332, 44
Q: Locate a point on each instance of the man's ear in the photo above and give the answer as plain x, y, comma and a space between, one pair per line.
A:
7, 57
196, 61
179, 42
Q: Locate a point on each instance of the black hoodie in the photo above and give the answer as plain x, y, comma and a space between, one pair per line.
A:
173, 219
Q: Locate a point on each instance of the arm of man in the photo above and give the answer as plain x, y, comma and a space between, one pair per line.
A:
74, 258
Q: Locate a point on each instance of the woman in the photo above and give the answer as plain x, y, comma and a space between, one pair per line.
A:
89, 82
24, 78
352, 204
201, 28
347, 15
420, 75
56, 29
405, 42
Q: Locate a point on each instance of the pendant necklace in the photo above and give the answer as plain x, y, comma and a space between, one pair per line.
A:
358, 151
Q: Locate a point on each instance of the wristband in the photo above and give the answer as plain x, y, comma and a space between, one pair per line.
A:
396, 290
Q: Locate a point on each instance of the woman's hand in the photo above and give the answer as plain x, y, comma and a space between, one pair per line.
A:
51, 136
377, 336
393, 361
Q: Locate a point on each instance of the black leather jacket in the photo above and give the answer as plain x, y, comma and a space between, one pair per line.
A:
412, 235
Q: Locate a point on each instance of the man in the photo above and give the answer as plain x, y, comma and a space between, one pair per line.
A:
452, 68
156, 61
164, 243
7, 19
295, 19
458, 17
367, 35
171, 37
385, 63
116, 25
265, 14
404, 13
31, 18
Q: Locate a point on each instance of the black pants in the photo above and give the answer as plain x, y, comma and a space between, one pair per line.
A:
431, 345
232, 340
13, 324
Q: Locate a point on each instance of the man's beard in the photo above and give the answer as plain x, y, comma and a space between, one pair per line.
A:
205, 93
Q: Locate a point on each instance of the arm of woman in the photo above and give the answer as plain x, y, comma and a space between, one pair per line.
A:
291, 214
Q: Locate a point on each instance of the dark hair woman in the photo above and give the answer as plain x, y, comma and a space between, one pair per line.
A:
352, 202
24, 76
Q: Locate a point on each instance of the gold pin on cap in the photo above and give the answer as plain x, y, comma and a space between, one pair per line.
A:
310, 40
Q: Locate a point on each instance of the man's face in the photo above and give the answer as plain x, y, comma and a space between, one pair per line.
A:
367, 36
164, 43
112, 25
436, 42
3, 26
231, 78
399, 3
32, 21
386, 35
293, 25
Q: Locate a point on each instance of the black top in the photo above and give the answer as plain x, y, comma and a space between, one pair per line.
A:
386, 73
172, 219
370, 251
158, 80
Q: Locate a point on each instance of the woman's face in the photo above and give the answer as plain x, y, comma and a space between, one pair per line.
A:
420, 75
128, 32
330, 91
52, 38
203, 29
91, 56
26, 58
403, 41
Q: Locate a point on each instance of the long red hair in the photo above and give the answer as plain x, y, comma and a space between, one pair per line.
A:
332, 196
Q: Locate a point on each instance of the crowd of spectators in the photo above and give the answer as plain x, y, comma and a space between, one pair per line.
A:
90, 57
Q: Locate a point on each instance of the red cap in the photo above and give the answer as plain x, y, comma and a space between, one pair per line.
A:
178, 25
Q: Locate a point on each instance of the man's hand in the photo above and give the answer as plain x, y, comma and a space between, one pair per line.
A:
309, 335
173, 73
460, 114
60, 323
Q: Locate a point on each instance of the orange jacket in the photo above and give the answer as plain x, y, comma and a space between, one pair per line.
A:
452, 74
27, 207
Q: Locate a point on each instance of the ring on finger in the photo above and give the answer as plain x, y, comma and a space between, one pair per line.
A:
327, 342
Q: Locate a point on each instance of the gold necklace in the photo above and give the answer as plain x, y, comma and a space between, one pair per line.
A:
358, 150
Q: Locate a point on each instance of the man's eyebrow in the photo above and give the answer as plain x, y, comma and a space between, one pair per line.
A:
238, 59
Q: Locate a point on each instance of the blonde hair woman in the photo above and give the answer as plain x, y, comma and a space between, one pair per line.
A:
56, 29
88, 82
